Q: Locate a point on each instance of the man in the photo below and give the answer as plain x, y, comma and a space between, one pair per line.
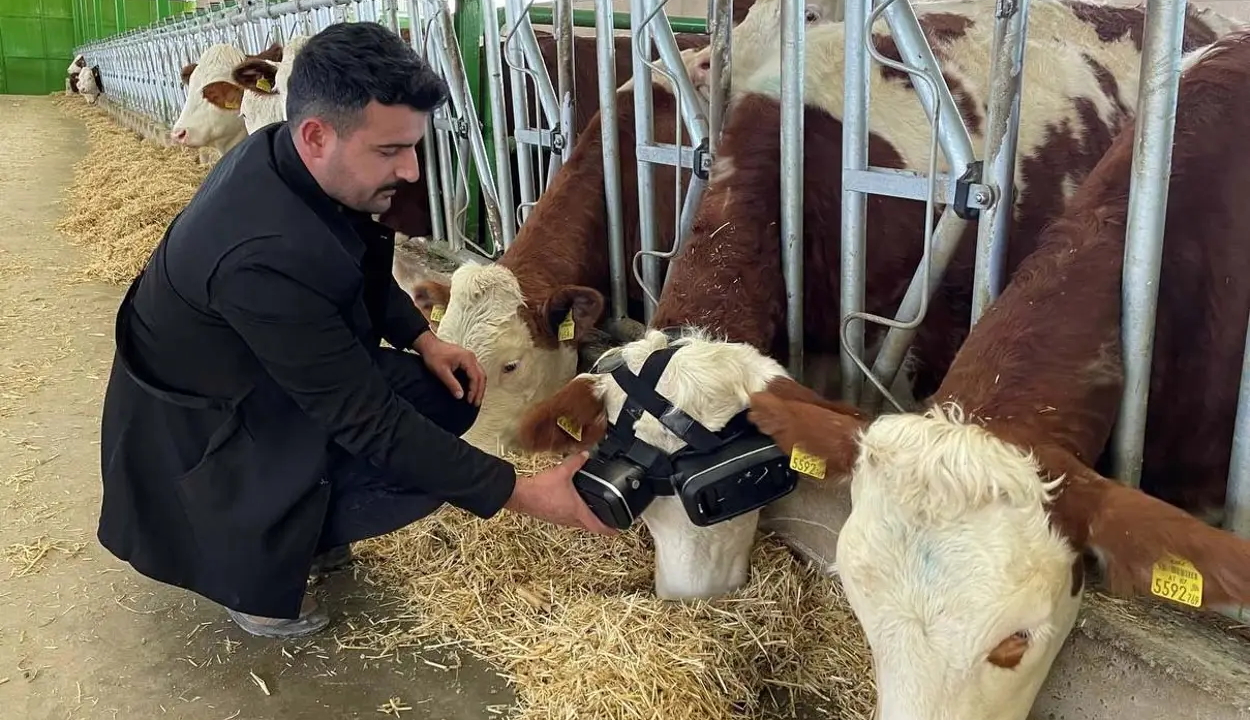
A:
254, 426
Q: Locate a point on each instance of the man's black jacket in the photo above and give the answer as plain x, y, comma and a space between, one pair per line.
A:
244, 351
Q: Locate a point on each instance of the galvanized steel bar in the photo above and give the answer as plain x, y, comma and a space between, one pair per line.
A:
430, 141
914, 49
855, 90
563, 30
499, 128
1237, 492
793, 59
1147, 213
525, 153
644, 129
1002, 133
720, 20
610, 137
692, 111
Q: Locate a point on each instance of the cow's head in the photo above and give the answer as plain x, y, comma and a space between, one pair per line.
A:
712, 382
210, 115
261, 104
88, 84
961, 557
758, 36
264, 81
528, 350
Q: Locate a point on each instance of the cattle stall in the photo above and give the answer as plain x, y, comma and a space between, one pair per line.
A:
480, 192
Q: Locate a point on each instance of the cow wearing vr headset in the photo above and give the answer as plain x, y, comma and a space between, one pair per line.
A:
962, 556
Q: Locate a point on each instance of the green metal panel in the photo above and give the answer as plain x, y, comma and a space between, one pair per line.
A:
37, 39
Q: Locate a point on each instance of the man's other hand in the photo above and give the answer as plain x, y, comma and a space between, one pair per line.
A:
444, 358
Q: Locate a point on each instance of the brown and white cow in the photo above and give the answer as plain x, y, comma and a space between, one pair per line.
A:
510, 313
961, 556
728, 281
90, 84
210, 114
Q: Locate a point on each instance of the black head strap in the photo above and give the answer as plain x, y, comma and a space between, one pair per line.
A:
640, 391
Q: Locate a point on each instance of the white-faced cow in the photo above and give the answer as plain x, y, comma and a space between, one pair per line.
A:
961, 556
210, 115
90, 84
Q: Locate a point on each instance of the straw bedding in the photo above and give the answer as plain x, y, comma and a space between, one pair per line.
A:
125, 192
570, 619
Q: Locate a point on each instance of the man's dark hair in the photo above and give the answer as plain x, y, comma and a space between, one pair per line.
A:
343, 68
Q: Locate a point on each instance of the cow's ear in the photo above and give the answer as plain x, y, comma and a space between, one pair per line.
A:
572, 419
822, 436
225, 95
256, 75
431, 298
273, 53
571, 312
186, 73
1146, 546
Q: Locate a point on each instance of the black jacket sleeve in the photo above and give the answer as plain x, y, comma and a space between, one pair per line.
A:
403, 322
302, 341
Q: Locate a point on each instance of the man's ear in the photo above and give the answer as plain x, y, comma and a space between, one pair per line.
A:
256, 75
570, 313
572, 419
1146, 546
186, 73
825, 433
225, 95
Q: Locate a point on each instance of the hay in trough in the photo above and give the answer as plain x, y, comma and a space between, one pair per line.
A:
124, 194
573, 621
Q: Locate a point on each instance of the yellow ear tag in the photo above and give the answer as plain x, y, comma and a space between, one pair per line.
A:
1177, 579
436, 313
264, 84
567, 426
566, 327
806, 463
231, 105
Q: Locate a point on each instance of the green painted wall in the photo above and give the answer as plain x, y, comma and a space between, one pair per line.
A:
37, 39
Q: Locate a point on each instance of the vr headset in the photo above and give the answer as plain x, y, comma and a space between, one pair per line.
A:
717, 476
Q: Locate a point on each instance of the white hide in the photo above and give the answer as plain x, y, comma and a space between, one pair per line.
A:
711, 381
205, 124
86, 85
483, 317
948, 551
261, 109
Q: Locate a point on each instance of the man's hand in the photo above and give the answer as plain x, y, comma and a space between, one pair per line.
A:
444, 358
550, 496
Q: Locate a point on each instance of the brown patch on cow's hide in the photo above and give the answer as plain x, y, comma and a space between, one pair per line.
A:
575, 405
1113, 23
787, 389
728, 277
941, 29
1109, 85
186, 72
562, 242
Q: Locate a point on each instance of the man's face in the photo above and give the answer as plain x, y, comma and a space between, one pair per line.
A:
363, 169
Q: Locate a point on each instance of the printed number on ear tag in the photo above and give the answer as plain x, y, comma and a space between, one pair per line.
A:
436, 313
264, 84
567, 426
566, 327
806, 463
1177, 579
